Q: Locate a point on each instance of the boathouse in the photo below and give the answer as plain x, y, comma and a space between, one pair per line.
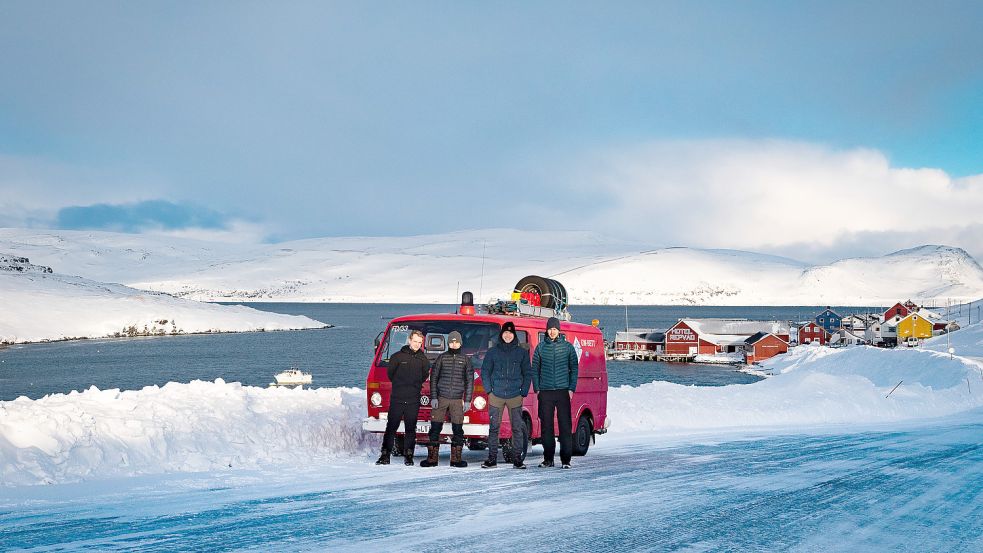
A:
710, 336
640, 339
763, 346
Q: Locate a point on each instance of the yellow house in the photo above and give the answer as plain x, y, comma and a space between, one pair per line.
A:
914, 325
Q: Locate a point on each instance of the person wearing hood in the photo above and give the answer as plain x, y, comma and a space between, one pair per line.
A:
506, 375
554, 378
451, 387
408, 369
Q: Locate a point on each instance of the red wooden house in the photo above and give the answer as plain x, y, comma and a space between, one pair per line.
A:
763, 346
812, 332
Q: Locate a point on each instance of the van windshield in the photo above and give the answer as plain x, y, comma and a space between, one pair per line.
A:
478, 338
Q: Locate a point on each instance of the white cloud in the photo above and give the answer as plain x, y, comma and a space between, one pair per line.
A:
780, 196
236, 232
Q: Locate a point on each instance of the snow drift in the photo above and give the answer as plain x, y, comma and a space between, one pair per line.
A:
178, 427
217, 425
39, 304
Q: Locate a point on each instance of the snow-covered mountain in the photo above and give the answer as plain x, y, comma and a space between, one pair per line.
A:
434, 268
41, 304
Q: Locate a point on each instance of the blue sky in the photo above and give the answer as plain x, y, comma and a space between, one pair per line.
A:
322, 119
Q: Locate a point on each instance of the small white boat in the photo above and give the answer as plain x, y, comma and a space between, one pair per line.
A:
293, 377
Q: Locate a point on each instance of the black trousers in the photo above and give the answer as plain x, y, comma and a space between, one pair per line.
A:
558, 402
407, 413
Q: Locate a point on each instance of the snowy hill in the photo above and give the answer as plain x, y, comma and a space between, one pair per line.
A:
218, 425
40, 304
432, 268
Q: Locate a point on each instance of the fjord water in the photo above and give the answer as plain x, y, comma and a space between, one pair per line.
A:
337, 356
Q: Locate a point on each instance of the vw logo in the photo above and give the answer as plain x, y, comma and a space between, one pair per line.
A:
424, 400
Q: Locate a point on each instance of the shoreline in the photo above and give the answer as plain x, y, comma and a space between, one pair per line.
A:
155, 335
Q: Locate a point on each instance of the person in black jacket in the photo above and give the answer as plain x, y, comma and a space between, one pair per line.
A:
451, 386
506, 375
408, 369
554, 378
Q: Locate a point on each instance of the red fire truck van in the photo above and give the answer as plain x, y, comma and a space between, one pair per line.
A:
480, 331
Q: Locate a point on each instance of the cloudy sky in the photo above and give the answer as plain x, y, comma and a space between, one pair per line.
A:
810, 129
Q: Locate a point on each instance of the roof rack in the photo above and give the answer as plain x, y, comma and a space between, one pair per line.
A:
518, 308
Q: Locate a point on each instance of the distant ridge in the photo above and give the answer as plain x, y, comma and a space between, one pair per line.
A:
431, 268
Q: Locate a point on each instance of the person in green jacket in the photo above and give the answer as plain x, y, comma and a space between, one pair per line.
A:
554, 379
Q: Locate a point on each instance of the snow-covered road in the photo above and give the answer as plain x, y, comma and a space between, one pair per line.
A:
915, 489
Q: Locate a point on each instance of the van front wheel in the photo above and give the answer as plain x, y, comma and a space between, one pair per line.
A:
581, 438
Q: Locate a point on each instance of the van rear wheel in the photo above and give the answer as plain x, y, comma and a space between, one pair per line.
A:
581, 438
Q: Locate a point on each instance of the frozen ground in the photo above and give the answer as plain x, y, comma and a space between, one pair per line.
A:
815, 458
915, 488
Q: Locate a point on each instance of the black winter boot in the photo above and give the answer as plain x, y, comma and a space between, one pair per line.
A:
456, 460
432, 453
383, 458
408, 460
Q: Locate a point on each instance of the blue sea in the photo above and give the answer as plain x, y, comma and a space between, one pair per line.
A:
337, 356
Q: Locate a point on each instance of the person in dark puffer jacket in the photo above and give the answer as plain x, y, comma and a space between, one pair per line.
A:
451, 379
407, 370
554, 378
506, 375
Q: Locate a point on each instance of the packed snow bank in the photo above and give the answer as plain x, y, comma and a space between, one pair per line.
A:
178, 427
213, 425
967, 342
39, 305
813, 386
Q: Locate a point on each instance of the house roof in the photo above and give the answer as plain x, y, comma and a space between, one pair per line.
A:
737, 327
758, 337
641, 335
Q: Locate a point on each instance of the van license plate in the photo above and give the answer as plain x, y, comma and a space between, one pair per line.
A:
422, 427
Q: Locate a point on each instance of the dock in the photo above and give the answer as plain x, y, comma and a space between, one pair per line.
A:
649, 355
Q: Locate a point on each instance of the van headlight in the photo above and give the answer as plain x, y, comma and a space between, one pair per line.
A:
480, 403
376, 399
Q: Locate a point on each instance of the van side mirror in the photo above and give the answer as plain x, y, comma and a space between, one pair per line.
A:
378, 339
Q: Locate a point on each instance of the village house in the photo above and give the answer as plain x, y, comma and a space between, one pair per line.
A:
829, 320
847, 337
812, 332
902, 309
914, 326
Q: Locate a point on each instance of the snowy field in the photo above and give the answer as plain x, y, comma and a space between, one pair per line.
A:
432, 268
813, 458
40, 304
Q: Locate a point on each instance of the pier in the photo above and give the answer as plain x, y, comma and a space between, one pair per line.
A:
649, 355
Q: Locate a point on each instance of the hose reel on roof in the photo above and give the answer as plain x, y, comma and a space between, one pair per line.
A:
552, 294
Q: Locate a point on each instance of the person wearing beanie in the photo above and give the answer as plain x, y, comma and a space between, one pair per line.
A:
451, 387
554, 378
506, 375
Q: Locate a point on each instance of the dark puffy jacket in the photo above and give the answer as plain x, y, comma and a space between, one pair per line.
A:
407, 371
506, 371
452, 376
554, 365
